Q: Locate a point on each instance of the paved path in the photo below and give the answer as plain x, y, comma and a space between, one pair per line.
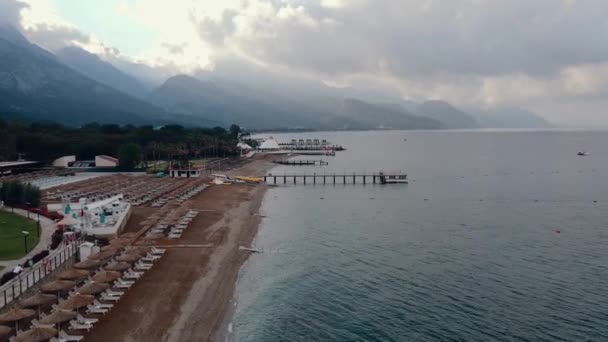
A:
47, 228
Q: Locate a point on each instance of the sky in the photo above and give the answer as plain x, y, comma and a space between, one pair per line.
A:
550, 56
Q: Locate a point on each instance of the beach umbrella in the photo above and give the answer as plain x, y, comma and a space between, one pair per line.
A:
16, 314
93, 288
139, 250
103, 255
57, 285
128, 257
88, 264
5, 332
118, 266
37, 300
111, 248
76, 302
59, 316
106, 276
36, 334
73, 274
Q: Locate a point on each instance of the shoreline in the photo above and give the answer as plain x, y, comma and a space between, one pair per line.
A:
189, 294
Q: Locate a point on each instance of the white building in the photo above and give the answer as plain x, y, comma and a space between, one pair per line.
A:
105, 161
185, 173
269, 145
64, 161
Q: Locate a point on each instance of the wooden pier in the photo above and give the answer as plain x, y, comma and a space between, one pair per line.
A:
301, 162
326, 179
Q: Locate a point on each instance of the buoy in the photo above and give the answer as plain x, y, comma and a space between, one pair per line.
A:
557, 231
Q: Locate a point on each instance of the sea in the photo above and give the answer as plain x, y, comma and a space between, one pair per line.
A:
499, 236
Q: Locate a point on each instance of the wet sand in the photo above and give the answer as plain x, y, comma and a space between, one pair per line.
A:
188, 293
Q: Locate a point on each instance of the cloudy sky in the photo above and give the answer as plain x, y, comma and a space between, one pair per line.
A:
547, 55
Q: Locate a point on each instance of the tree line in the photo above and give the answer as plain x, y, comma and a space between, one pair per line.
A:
46, 142
16, 193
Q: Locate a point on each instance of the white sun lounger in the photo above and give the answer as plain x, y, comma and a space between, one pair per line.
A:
85, 320
74, 325
70, 338
158, 251
115, 293
102, 305
108, 298
96, 310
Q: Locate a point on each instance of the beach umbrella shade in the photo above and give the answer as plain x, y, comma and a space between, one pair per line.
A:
106, 276
59, 316
73, 274
37, 300
36, 334
118, 266
128, 257
93, 288
88, 264
103, 255
154, 236
76, 302
57, 285
16, 314
5, 331
111, 248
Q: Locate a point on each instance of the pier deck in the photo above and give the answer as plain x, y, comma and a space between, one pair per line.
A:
325, 179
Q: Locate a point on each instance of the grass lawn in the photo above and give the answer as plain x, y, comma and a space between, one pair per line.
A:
11, 238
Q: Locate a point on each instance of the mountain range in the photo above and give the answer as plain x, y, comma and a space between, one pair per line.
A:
74, 87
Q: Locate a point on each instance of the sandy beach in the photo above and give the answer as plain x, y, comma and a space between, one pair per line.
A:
188, 293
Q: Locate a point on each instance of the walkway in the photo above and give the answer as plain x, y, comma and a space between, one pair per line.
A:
47, 227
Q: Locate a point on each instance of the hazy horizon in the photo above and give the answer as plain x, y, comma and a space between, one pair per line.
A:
547, 56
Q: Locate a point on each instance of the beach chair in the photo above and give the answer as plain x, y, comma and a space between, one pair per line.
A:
158, 251
94, 310
115, 293
63, 336
74, 325
85, 320
122, 286
108, 298
102, 305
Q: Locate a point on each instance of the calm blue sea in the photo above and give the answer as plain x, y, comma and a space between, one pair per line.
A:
500, 236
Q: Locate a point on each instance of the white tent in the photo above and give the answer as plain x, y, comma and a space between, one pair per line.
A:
270, 145
243, 146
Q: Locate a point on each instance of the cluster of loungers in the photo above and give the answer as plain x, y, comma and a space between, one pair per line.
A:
104, 300
175, 228
179, 195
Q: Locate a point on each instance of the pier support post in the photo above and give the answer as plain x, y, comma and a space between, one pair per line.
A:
353, 179
275, 179
334, 179
323, 179
314, 178
344, 180
284, 179
364, 176
264, 179
374, 177
294, 179
304, 179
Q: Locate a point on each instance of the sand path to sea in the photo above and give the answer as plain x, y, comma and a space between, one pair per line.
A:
186, 296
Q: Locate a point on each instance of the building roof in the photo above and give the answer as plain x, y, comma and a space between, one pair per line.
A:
270, 144
108, 158
16, 163
243, 146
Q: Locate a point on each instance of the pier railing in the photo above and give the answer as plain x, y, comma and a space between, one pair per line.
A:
26, 279
324, 179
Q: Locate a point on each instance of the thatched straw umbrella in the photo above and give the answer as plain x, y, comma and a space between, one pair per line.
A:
93, 288
73, 274
15, 315
5, 332
38, 300
139, 250
128, 257
103, 255
36, 334
58, 317
154, 236
111, 248
76, 302
88, 264
106, 276
118, 266
57, 285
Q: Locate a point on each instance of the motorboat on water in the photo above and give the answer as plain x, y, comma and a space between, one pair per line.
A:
583, 153
393, 179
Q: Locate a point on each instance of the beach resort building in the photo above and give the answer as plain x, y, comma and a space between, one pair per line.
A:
105, 161
104, 218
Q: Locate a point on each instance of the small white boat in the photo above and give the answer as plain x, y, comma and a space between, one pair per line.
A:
583, 153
